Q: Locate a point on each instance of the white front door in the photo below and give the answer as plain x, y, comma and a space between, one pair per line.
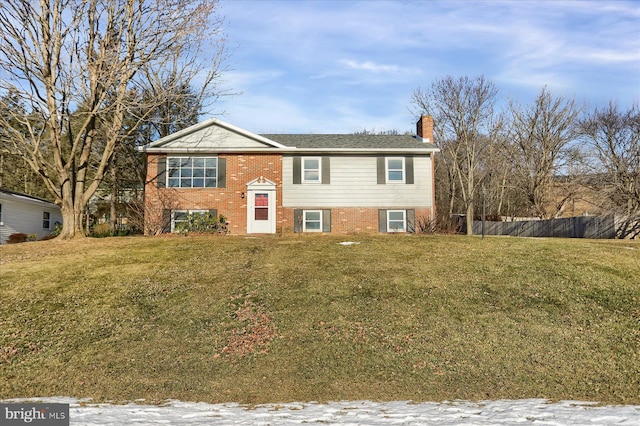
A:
261, 207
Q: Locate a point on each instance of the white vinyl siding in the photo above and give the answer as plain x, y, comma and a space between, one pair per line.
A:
354, 184
25, 215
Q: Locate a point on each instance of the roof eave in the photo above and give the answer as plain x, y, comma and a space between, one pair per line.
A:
287, 150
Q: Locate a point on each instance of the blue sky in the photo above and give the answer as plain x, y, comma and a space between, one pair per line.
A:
343, 66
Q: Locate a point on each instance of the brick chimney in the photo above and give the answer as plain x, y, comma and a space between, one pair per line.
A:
424, 129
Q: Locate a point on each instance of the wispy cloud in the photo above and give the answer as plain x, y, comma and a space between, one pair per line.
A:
347, 64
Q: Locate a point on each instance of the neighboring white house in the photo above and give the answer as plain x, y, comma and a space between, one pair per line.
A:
20, 213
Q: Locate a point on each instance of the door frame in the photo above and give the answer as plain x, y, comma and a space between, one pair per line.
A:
261, 186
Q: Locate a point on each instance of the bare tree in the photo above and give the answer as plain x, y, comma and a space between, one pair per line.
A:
539, 147
59, 55
465, 127
614, 139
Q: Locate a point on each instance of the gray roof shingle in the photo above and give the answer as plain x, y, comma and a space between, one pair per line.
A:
349, 141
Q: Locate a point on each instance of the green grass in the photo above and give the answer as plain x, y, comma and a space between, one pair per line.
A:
277, 319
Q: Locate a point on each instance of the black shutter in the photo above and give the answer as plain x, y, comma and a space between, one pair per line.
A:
382, 220
382, 170
297, 170
326, 220
326, 170
411, 220
297, 220
161, 177
166, 220
408, 164
222, 172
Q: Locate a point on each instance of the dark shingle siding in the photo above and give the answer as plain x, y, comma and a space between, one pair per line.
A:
349, 141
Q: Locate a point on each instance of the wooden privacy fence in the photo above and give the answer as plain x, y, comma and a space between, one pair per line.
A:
570, 227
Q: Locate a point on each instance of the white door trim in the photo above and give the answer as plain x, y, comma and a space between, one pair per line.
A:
261, 187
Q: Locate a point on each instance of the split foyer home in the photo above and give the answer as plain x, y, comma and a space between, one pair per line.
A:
286, 183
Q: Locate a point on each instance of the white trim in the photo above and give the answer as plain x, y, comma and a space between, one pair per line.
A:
203, 125
403, 170
319, 169
404, 221
304, 221
168, 171
261, 186
173, 215
290, 150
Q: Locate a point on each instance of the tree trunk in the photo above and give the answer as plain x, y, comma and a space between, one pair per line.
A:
72, 222
113, 201
470, 218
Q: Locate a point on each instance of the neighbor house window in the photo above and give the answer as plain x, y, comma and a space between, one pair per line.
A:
192, 172
312, 221
395, 169
180, 217
46, 220
311, 170
396, 221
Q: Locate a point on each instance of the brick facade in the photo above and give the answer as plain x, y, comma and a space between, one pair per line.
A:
350, 220
228, 201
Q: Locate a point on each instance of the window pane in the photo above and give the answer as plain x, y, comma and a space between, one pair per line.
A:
395, 175
311, 163
395, 164
311, 175
183, 169
312, 226
261, 213
262, 200
313, 215
396, 226
396, 216
179, 216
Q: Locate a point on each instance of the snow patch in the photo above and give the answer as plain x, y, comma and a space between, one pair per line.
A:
448, 413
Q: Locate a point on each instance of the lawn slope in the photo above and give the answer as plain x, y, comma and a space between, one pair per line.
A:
272, 319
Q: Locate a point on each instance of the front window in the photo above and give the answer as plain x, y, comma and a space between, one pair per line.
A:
180, 219
46, 220
311, 171
193, 172
395, 169
312, 221
396, 221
